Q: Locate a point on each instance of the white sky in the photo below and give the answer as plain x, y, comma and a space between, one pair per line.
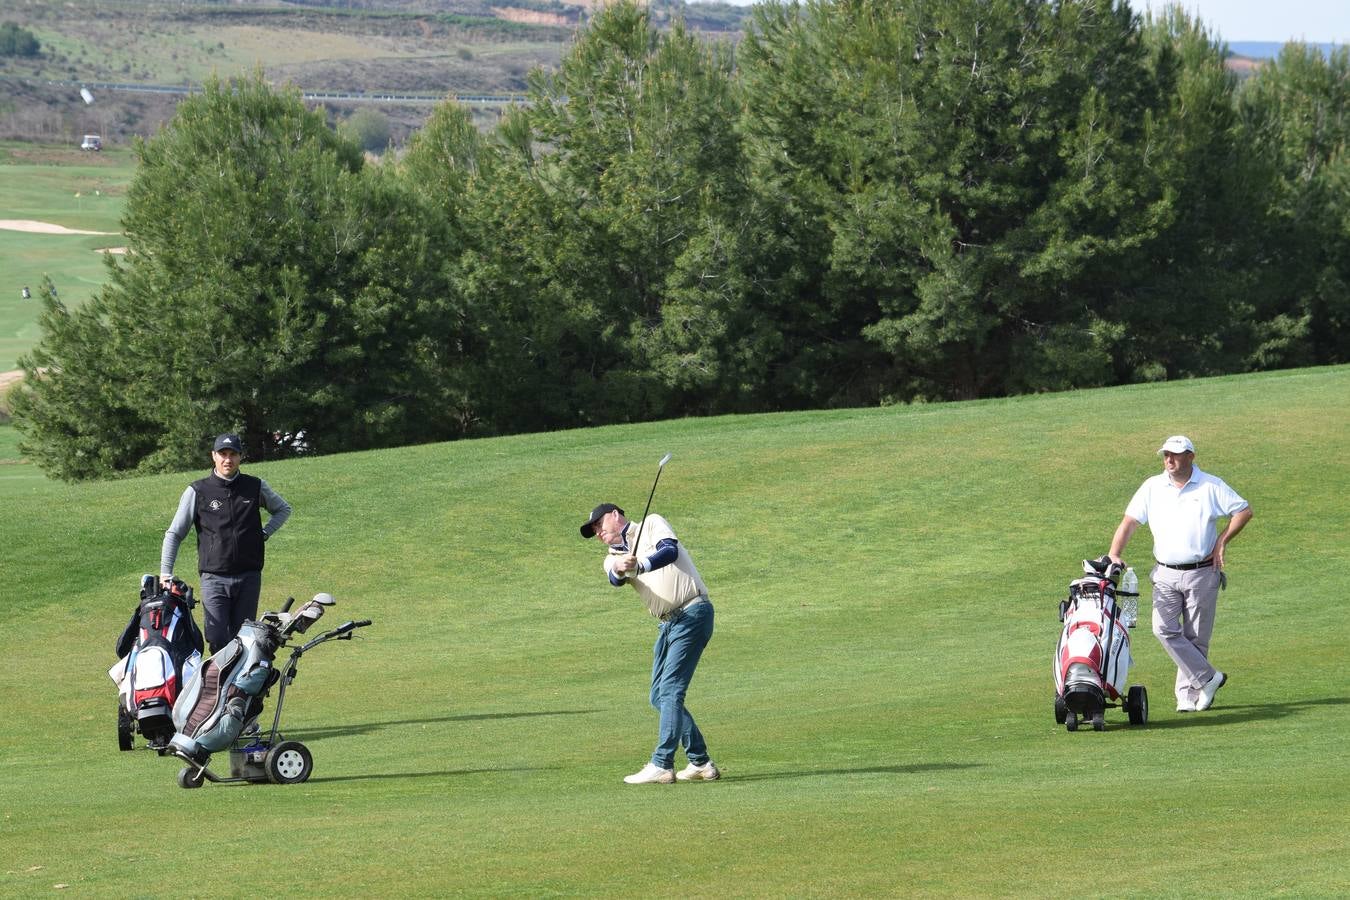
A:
1315, 21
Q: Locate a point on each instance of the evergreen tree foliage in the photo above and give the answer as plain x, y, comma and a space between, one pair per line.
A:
271, 288
975, 186
1296, 112
619, 209
869, 201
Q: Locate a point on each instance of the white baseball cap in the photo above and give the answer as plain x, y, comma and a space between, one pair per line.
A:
1177, 443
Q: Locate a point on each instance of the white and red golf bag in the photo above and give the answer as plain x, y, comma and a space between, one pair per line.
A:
159, 652
1092, 661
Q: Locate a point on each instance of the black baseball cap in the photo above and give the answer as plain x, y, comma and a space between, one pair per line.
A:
588, 527
229, 442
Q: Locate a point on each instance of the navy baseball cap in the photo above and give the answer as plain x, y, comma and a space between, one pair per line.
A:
229, 442
588, 527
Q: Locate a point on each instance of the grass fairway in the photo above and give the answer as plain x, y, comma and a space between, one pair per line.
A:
878, 690
83, 191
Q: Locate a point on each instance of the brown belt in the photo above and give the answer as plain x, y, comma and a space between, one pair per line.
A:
676, 613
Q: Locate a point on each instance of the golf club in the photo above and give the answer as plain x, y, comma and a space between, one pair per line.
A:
659, 466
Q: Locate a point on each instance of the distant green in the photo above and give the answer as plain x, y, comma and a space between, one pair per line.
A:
60, 187
878, 690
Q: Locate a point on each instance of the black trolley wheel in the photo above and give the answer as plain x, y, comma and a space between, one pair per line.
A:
1136, 703
1071, 720
288, 762
1061, 711
1099, 721
125, 727
190, 777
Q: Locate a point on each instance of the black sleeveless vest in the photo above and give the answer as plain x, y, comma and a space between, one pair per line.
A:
229, 525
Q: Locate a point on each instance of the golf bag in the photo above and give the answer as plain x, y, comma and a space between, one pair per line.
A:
1092, 661
225, 696
159, 651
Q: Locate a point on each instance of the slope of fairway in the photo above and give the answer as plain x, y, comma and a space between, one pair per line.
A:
878, 690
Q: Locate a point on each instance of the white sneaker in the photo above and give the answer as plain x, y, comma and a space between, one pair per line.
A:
1185, 706
706, 772
1209, 690
650, 774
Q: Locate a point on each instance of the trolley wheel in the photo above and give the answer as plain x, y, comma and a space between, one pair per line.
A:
1071, 720
1061, 711
1136, 703
189, 777
125, 727
288, 762
1099, 721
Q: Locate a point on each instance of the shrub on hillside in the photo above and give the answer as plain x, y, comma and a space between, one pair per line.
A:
16, 41
368, 129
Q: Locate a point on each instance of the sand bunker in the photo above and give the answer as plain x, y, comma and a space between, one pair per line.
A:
43, 227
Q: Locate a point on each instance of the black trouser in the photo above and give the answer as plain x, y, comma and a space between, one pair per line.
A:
227, 601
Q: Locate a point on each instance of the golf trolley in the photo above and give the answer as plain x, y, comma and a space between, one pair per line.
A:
1092, 661
221, 706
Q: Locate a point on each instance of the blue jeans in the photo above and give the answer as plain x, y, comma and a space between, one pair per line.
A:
679, 644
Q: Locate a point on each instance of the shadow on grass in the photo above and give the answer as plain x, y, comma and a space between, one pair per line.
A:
1224, 714
449, 773
312, 734
910, 769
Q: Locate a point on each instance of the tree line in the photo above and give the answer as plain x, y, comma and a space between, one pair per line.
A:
861, 202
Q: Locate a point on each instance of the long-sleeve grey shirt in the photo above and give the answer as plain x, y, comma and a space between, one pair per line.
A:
278, 511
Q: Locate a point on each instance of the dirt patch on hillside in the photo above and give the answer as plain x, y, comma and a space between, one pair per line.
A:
531, 16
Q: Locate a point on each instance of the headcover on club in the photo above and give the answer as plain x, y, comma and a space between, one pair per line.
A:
307, 615
1103, 566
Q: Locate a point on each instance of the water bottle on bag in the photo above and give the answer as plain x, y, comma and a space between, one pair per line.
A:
1128, 592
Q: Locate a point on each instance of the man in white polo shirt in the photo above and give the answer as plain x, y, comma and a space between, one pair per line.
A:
1181, 506
660, 569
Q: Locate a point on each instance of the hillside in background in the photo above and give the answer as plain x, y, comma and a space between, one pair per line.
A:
406, 47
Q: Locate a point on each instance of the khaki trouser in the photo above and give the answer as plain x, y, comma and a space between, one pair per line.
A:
1184, 605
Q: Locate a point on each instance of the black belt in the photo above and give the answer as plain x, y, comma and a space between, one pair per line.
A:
1186, 567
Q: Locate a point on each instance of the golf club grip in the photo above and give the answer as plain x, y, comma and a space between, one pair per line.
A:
287, 606
361, 624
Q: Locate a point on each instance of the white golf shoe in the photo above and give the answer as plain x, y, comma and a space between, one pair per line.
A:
1209, 690
651, 774
706, 772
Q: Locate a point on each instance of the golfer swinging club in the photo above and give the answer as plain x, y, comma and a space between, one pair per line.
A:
648, 556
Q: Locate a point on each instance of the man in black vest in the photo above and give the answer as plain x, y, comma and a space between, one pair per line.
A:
225, 507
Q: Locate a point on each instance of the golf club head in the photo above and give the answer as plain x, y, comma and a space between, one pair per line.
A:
665, 459
324, 599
